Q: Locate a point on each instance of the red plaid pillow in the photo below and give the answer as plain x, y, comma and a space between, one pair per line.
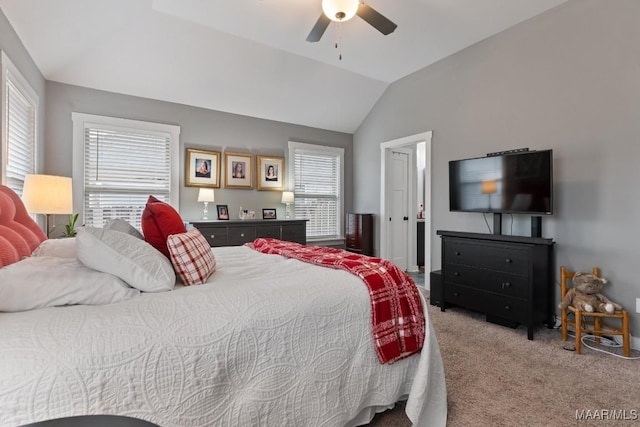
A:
191, 257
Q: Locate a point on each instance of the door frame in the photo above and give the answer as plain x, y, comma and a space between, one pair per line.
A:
408, 141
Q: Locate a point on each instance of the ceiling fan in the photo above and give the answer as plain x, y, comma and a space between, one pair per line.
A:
343, 10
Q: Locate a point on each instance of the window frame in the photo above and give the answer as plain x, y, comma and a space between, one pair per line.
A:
9, 72
81, 121
324, 150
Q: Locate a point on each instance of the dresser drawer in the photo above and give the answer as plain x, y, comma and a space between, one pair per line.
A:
352, 242
295, 233
494, 256
510, 285
269, 231
238, 236
499, 306
216, 236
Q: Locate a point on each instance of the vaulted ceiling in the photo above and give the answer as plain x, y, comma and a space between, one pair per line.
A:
250, 57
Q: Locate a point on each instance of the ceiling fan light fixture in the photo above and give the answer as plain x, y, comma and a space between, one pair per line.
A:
340, 10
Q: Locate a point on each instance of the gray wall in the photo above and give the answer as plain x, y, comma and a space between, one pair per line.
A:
568, 80
12, 46
200, 128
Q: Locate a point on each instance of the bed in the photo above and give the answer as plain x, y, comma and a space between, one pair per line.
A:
266, 341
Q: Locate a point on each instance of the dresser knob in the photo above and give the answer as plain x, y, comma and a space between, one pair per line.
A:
213, 236
457, 253
508, 260
506, 285
241, 234
506, 307
455, 273
455, 294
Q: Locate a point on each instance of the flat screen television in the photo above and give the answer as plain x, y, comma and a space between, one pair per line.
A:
518, 183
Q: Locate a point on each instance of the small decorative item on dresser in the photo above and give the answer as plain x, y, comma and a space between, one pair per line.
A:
268, 214
223, 211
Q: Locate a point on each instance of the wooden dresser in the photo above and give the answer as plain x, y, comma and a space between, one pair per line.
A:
359, 233
509, 278
239, 232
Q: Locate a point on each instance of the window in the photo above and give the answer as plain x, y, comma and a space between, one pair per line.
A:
19, 106
318, 187
118, 163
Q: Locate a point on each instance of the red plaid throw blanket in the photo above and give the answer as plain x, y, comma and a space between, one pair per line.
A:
398, 322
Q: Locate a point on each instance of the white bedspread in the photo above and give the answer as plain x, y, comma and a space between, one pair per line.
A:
268, 342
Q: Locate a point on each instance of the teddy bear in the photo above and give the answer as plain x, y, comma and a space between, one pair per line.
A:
586, 295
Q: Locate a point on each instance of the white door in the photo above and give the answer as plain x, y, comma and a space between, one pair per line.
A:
398, 215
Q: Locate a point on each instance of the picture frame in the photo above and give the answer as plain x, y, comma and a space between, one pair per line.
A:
238, 171
268, 213
202, 168
223, 212
270, 173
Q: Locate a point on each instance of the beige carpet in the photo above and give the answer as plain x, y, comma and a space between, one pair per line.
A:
497, 377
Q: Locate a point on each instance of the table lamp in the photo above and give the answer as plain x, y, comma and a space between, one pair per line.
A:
287, 198
48, 195
206, 195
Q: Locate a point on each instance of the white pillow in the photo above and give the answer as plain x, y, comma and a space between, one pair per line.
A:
129, 258
61, 248
120, 224
45, 281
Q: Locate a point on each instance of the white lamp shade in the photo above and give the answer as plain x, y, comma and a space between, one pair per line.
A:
47, 194
206, 195
340, 10
287, 197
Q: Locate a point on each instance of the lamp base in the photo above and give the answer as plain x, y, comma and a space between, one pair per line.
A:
46, 225
205, 212
287, 211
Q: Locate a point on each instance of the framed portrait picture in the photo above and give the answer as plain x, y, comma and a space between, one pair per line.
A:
202, 168
268, 214
223, 211
270, 173
238, 170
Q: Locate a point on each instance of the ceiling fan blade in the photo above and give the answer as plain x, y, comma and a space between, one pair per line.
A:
375, 19
318, 30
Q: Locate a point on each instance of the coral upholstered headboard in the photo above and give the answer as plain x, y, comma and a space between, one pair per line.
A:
19, 234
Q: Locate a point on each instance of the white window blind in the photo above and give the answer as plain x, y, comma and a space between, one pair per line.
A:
19, 130
122, 167
317, 183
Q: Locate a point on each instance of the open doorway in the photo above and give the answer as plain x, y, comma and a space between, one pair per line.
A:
399, 236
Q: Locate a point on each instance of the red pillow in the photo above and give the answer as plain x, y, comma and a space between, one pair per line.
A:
19, 234
159, 221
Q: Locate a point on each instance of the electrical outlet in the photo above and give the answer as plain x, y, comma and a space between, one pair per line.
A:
637, 305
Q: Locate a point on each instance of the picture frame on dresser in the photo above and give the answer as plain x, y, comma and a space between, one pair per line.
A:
269, 213
202, 168
223, 212
270, 173
238, 171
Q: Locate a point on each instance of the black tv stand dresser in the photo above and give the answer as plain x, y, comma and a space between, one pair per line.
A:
508, 278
